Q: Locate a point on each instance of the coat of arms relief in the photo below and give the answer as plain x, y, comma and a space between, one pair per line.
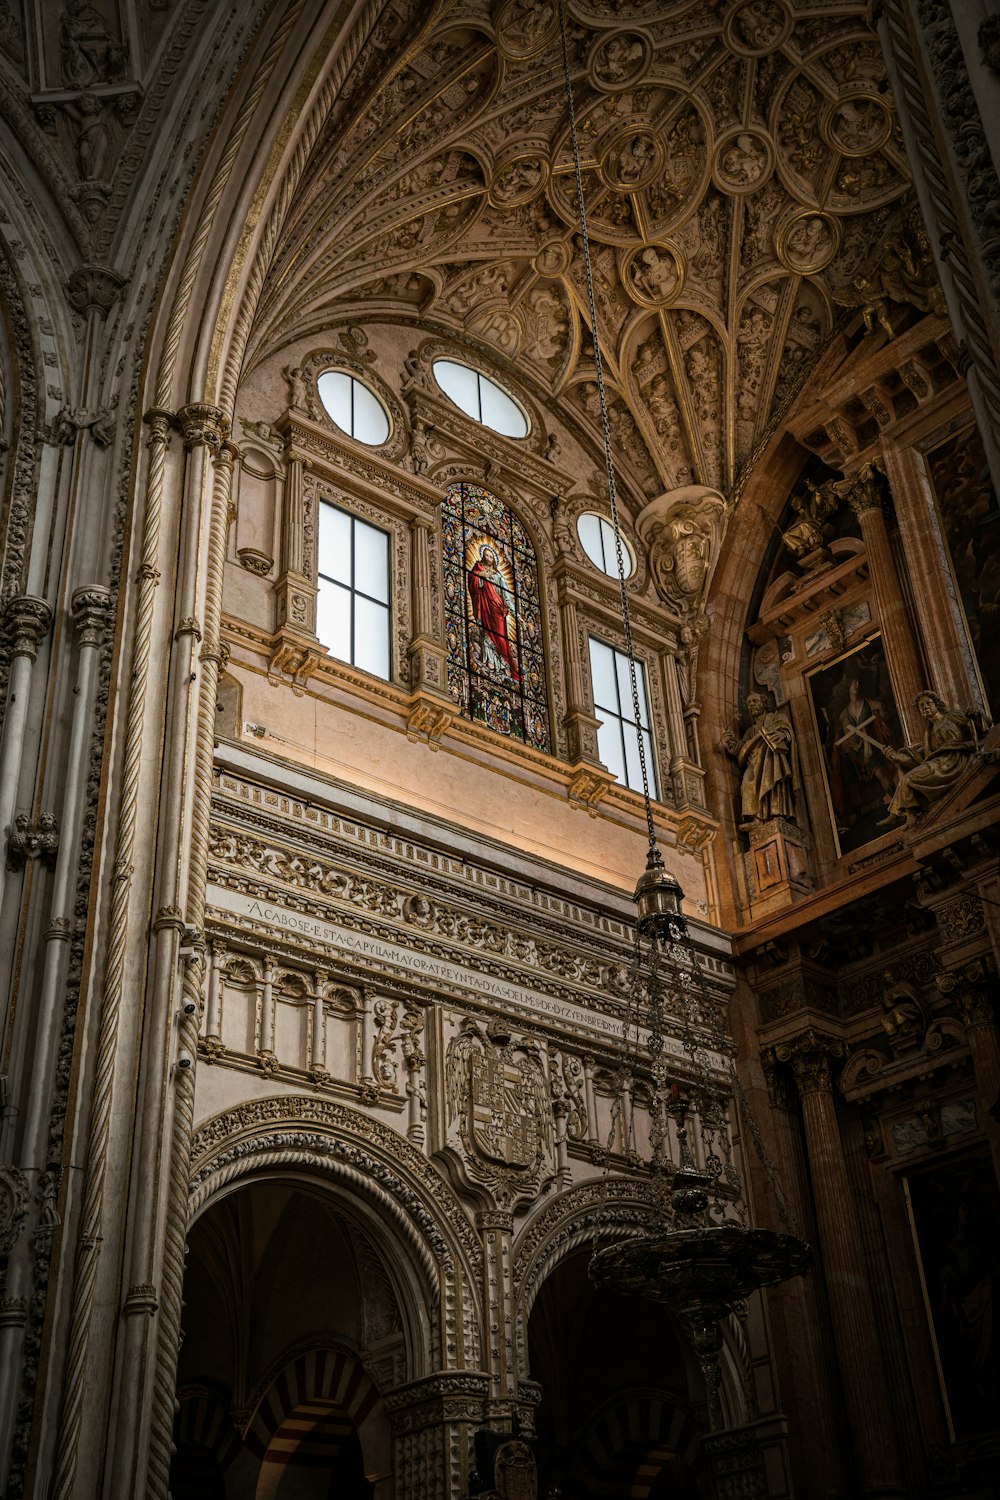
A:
500, 1126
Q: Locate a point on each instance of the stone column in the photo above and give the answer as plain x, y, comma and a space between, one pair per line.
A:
433, 1421
969, 989
851, 1306
91, 609
427, 656
266, 1047
806, 1367
27, 619
497, 1229
579, 722
297, 652
868, 497
213, 1006
588, 1094
317, 1044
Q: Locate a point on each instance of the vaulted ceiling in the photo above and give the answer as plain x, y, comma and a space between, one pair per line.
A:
741, 162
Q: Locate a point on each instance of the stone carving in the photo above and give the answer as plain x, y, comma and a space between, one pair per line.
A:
38, 840
620, 59
297, 394
525, 27
15, 1195
743, 160
654, 275
904, 274
932, 767
681, 532
88, 53
758, 26
499, 1109
808, 242
767, 759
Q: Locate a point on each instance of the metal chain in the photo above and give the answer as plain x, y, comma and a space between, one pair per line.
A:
606, 431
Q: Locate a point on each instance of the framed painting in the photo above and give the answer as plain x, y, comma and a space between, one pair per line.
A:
856, 723
969, 510
954, 1213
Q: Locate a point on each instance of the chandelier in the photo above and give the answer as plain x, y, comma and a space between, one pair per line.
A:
700, 1256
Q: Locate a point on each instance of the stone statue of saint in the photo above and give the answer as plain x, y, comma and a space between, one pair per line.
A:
766, 754
930, 768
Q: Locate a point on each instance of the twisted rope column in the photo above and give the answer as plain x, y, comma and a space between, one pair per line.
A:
176, 1222
88, 1249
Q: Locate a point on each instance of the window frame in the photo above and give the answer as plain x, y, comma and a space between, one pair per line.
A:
355, 380
605, 525
444, 359
626, 719
354, 592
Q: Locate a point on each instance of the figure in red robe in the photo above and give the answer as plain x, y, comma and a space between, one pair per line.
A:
492, 606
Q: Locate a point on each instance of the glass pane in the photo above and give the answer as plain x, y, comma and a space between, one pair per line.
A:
334, 388
633, 773
610, 555
589, 530
334, 543
460, 383
333, 619
602, 672
650, 768
371, 425
640, 680
371, 561
371, 637
500, 411
609, 747
625, 685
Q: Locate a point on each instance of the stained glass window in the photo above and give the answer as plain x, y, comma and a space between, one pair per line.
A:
493, 622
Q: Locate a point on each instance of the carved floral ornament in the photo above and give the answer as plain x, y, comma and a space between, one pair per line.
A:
701, 218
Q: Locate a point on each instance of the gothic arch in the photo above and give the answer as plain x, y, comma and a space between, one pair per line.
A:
430, 1245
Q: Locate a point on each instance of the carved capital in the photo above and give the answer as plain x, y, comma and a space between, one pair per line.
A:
866, 490
812, 1057
92, 608
94, 288
161, 424
202, 425
140, 1298
14, 1198
27, 620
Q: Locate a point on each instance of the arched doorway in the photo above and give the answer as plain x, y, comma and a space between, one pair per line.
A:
622, 1408
290, 1311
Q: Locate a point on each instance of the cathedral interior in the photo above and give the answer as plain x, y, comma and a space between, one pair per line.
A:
391, 560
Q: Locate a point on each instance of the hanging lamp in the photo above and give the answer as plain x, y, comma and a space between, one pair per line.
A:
698, 1257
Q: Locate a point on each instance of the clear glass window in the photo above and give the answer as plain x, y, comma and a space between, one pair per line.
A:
617, 739
352, 605
480, 398
353, 407
597, 537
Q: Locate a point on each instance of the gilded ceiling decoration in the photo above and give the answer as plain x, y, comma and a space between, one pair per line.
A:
740, 164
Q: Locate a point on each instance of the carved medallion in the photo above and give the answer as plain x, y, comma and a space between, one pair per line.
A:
758, 27
620, 60
526, 27
654, 275
807, 242
743, 160
632, 161
856, 124
518, 179
553, 259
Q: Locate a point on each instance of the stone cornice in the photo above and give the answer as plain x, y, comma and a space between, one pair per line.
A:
336, 460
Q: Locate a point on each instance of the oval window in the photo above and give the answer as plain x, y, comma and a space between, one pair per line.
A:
353, 407
480, 398
597, 537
